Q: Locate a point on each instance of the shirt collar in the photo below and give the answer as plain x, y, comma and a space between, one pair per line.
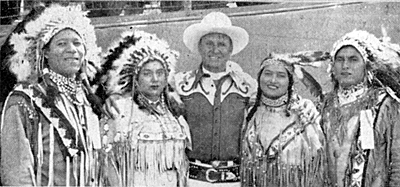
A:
214, 76
232, 69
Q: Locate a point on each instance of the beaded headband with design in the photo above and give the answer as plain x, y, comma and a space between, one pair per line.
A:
28, 45
276, 61
130, 53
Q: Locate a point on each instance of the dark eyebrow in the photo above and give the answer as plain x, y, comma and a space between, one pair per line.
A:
154, 70
60, 39
69, 38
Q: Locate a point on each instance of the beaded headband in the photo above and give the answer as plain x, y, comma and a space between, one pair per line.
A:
27, 61
276, 61
132, 51
375, 52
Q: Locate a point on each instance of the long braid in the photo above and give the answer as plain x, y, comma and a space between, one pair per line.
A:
256, 105
258, 98
290, 92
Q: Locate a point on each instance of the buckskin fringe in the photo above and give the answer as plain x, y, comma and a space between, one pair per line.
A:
264, 172
151, 157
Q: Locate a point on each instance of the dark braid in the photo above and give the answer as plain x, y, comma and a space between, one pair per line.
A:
256, 105
290, 92
258, 98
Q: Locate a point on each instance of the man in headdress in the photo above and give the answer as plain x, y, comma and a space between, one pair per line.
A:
360, 116
49, 132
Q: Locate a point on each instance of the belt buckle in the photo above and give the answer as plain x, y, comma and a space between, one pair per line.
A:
224, 175
208, 175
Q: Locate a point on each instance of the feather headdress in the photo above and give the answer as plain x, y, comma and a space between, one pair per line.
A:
28, 45
130, 53
295, 62
381, 56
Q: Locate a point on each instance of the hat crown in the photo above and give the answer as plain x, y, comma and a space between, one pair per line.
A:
217, 19
215, 22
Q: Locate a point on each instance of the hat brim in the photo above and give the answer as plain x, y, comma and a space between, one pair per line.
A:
192, 35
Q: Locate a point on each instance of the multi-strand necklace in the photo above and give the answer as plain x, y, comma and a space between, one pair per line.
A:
67, 86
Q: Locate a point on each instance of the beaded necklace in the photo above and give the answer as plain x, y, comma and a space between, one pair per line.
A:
274, 102
67, 86
351, 94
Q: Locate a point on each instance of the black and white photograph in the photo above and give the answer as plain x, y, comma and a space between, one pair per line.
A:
190, 93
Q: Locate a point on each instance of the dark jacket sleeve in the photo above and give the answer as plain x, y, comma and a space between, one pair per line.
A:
17, 163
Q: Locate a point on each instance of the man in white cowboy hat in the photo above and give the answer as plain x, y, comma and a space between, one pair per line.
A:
216, 96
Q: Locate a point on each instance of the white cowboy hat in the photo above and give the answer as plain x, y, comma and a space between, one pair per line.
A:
215, 22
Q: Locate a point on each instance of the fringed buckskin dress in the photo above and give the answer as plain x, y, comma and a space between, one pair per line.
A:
146, 145
281, 148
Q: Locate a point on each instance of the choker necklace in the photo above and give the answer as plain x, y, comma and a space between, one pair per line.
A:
352, 93
274, 102
68, 86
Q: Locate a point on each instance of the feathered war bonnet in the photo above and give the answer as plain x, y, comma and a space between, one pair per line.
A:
381, 57
131, 52
294, 63
27, 61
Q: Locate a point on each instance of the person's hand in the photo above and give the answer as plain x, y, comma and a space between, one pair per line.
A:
111, 109
307, 109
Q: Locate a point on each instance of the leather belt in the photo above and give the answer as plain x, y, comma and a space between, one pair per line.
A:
210, 173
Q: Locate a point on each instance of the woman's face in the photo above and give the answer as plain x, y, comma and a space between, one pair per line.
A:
65, 53
349, 67
152, 80
274, 81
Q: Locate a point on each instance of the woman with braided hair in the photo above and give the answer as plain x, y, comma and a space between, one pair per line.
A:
49, 133
282, 144
145, 144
